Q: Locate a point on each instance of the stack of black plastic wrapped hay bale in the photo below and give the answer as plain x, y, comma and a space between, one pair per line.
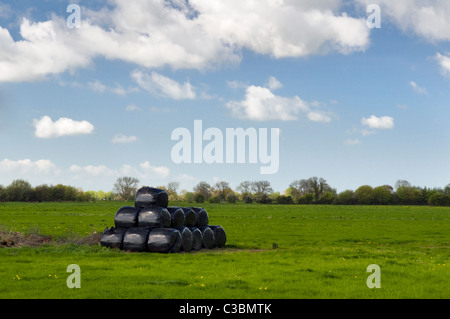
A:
154, 227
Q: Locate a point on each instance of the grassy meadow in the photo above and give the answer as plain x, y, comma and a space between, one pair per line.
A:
323, 252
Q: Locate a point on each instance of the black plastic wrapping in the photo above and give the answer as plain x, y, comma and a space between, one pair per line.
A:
154, 217
186, 238
201, 215
113, 237
208, 237
176, 216
164, 240
149, 196
126, 217
190, 218
220, 237
135, 239
197, 238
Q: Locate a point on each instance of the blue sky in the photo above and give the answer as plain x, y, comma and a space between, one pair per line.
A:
354, 105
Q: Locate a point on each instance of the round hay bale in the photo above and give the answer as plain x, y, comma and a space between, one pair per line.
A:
154, 217
149, 196
190, 218
220, 237
176, 216
126, 217
186, 238
113, 237
135, 239
202, 216
197, 238
164, 240
208, 237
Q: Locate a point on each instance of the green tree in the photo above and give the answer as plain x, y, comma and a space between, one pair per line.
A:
346, 197
19, 191
382, 195
408, 195
199, 198
439, 199
43, 193
364, 195
232, 198
327, 198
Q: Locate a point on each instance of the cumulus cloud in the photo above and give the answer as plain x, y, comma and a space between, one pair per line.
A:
444, 63
196, 34
92, 170
382, 123
46, 49
261, 104
150, 169
426, 18
273, 83
46, 128
27, 166
158, 84
123, 139
97, 176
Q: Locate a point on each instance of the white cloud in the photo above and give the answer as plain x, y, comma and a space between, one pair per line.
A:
382, 123
319, 117
91, 170
97, 86
426, 18
88, 176
273, 84
417, 88
199, 34
444, 63
260, 104
123, 139
27, 166
158, 170
46, 49
158, 84
46, 128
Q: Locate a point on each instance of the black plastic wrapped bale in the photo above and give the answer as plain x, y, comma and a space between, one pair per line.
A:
186, 238
113, 237
135, 239
201, 215
208, 237
220, 237
197, 238
126, 217
164, 240
190, 218
176, 216
154, 217
149, 196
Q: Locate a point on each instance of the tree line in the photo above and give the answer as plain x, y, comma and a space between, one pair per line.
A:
313, 190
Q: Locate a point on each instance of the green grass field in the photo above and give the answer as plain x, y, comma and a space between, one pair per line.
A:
323, 252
